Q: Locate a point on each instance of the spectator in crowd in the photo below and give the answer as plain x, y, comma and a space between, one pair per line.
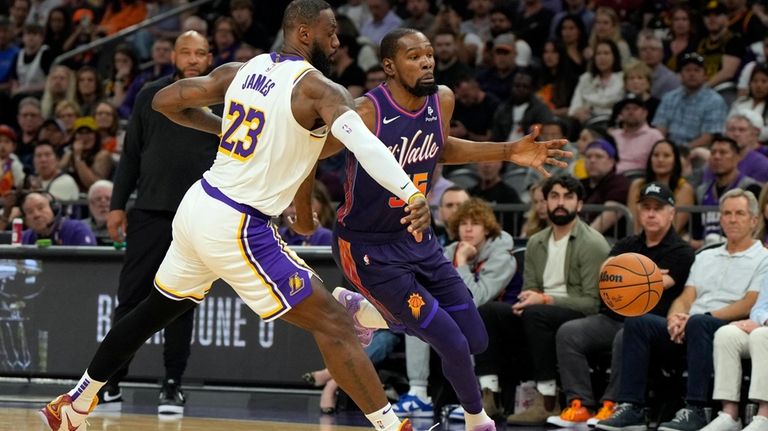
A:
66, 112
29, 119
756, 99
634, 138
497, 79
691, 114
165, 29
683, 37
558, 78
472, 45
573, 35
651, 53
381, 21
600, 87
576, 8
450, 201
88, 92
587, 135
345, 70
8, 52
86, 161
721, 288
474, 110
762, 233
11, 170
61, 84
107, 121
638, 81
482, 257
124, 69
245, 52
746, 72
49, 177
479, 22
99, 195
39, 10
58, 28
501, 21
448, 66
516, 115
721, 49
162, 65
536, 218
355, 10
194, 23
492, 189
33, 63
604, 186
42, 215
225, 40
580, 339
744, 127
249, 29
120, 14
723, 163
607, 28
54, 132
373, 77
84, 31
741, 20
532, 25
740, 339
18, 12
559, 284
419, 16
665, 166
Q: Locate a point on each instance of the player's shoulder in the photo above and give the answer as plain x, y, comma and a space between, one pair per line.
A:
446, 97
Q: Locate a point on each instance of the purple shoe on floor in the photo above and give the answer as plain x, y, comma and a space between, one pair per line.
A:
351, 301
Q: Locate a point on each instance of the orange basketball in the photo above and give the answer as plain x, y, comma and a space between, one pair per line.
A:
630, 284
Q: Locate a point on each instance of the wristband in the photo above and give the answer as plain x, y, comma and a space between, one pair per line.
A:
415, 196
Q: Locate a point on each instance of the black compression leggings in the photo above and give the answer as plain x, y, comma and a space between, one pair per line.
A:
132, 331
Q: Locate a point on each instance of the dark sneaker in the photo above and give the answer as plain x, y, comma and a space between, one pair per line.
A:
110, 398
686, 419
171, 399
627, 417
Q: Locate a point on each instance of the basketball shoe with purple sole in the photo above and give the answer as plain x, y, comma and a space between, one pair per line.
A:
490, 426
351, 301
59, 415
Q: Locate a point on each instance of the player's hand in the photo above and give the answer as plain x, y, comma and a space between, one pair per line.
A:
465, 252
419, 217
117, 225
746, 325
302, 226
528, 152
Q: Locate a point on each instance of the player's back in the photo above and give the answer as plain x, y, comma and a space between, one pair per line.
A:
416, 140
264, 153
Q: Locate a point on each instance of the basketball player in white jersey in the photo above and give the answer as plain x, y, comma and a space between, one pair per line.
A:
278, 111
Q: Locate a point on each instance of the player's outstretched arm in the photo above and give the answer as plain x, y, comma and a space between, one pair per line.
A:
524, 152
185, 100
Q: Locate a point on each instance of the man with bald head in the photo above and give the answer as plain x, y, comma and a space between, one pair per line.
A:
160, 160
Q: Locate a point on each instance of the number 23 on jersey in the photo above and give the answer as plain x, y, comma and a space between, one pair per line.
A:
239, 117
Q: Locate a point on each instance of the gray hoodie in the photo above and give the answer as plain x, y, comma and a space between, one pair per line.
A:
490, 271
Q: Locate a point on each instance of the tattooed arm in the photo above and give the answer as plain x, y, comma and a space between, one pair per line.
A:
185, 101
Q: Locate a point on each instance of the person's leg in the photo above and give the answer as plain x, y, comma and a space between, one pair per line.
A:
614, 381
699, 337
642, 335
731, 344
758, 349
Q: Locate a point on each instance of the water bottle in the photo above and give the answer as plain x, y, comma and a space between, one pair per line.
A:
16, 232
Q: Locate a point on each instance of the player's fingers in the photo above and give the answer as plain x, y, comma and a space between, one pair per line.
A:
543, 172
535, 131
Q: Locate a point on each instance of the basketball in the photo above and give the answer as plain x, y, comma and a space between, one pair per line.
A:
630, 284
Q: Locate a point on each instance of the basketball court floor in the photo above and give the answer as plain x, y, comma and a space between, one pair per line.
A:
207, 409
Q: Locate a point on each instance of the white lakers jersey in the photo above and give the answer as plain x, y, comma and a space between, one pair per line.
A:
264, 153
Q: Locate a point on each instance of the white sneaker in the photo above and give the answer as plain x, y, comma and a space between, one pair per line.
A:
591, 422
723, 422
759, 423
457, 414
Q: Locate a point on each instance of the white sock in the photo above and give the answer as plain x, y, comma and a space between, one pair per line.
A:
367, 315
490, 381
471, 421
384, 419
84, 392
419, 391
548, 388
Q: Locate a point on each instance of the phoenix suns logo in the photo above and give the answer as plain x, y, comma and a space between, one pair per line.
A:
415, 302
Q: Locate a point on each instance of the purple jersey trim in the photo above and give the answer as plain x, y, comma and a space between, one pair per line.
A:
440, 117
430, 316
221, 197
349, 194
396, 106
277, 57
378, 112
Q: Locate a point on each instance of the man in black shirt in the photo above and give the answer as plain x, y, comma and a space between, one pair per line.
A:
161, 160
580, 338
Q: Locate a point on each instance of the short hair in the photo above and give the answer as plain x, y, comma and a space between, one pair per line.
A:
30, 101
453, 188
33, 28
99, 184
476, 210
640, 68
752, 206
649, 36
731, 142
389, 43
554, 121
566, 181
302, 12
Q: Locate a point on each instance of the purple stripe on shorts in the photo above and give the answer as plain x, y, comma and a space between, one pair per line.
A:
430, 316
459, 307
220, 196
253, 238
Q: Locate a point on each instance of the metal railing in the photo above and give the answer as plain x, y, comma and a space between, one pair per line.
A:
122, 34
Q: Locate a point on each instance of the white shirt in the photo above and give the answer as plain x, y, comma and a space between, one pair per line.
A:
554, 270
592, 92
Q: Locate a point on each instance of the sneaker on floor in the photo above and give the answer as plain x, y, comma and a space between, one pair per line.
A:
606, 411
627, 417
536, 414
110, 398
492, 404
351, 301
688, 418
171, 401
457, 414
571, 416
413, 406
59, 415
759, 423
723, 422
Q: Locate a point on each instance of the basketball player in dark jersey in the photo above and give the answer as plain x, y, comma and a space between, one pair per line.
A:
413, 287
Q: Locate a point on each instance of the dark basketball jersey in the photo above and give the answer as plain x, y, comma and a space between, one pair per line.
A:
416, 140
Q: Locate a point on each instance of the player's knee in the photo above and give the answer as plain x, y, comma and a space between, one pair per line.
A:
479, 342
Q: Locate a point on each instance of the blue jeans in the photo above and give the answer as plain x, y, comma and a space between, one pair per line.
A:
647, 336
382, 344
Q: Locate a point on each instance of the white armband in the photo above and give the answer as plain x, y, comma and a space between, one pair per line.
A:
373, 155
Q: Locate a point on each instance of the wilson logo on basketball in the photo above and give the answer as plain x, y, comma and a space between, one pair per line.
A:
604, 276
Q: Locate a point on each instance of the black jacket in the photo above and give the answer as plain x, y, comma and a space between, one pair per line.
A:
536, 113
